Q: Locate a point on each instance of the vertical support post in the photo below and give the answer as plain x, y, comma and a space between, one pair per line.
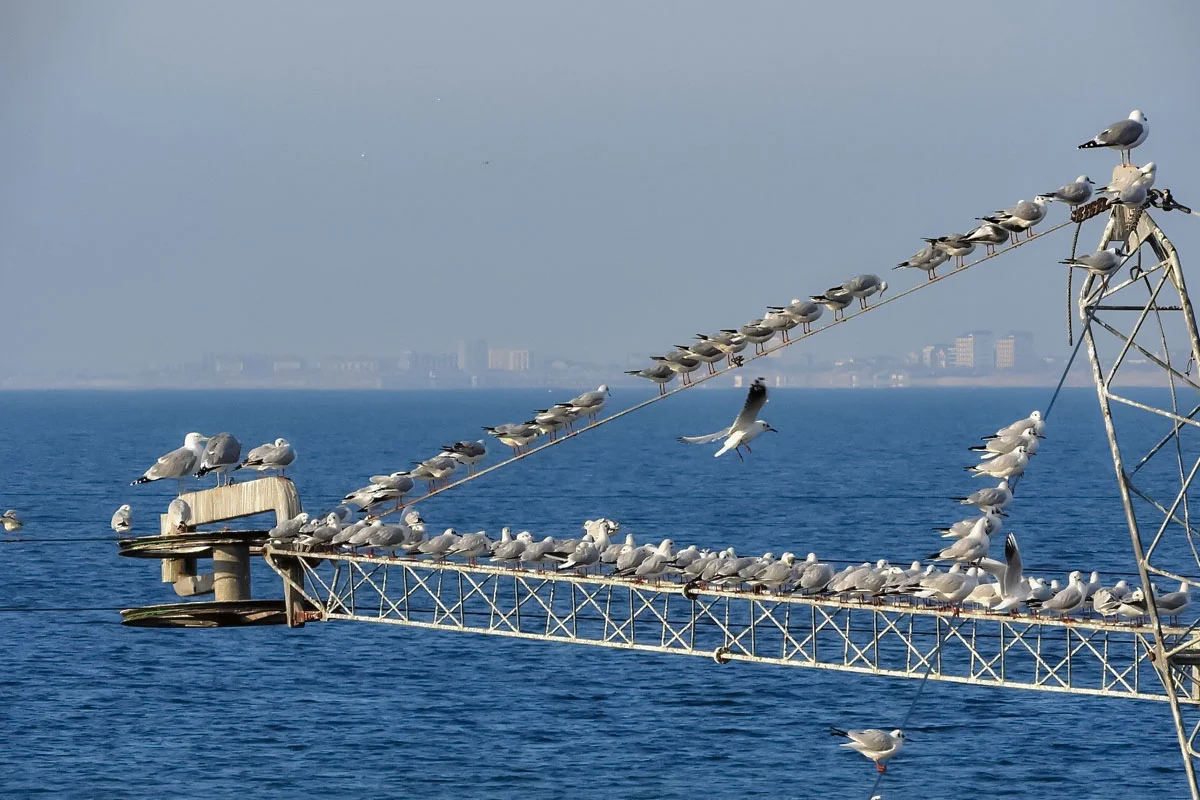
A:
293, 600
231, 572
1118, 228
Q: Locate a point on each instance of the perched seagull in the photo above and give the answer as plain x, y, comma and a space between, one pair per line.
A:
863, 286
277, 455
1033, 422
1009, 465
515, 435
591, 403
781, 322
970, 548
289, 528
989, 234
179, 514
221, 454
11, 522
122, 519
995, 499
177, 464
661, 374
745, 426
836, 300
956, 245
992, 520
1144, 175
879, 746
466, 453
1070, 598
998, 447
1123, 136
1073, 194
928, 259
681, 361
1020, 217
805, 312
1174, 603
708, 352
1101, 263
755, 333
730, 342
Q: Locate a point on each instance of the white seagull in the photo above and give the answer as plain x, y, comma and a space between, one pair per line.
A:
1123, 136
745, 427
122, 519
877, 745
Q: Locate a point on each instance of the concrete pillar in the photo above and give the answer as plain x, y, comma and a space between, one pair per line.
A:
231, 572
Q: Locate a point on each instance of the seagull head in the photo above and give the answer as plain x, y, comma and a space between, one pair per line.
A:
1085, 179
1137, 116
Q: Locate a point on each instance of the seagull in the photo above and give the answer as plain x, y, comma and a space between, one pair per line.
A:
1033, 422
1144, 175
1009, 465
471, 546
515, 435
591, 403
277, 455
706, 351
805, 312
730, 342
863, 286
989, 234
681, 361
745, 426
1101, 263
992, 524
780, 321
877, 745
289, 528
1069, 598
1020, 217
756, 333
968, 549
177, 464
955, 245
1174, 603
467, 453
439, 547
928, 259
661, 374
584, 555
1123, 136
122, 519
1073, 194
179, 514
836, 300
11, 522
998, 447
995, 499
221, 454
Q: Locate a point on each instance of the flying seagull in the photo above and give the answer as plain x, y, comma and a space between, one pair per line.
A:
744, 428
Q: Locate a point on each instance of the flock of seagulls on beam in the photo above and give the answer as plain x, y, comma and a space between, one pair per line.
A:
973, 578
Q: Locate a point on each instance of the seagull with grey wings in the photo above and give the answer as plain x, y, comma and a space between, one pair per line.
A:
745, 428
1122, 136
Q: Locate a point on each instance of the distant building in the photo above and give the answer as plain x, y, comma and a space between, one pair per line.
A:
937, 357
975, 351
472, 356
1015, 352
508, 360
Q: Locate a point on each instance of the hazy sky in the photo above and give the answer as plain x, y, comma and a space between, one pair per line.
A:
308, 178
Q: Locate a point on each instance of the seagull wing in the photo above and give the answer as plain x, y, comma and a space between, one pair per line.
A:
711, 437
1012, 572
873, 739
756, 398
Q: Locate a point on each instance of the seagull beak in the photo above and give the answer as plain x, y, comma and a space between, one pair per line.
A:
772, 429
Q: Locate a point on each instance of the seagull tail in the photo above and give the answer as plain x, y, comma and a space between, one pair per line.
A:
142, 479
1089, 144
979, 448
838, 732
957, 500
725, 448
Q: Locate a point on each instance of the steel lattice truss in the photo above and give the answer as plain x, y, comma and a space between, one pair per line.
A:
1094, 658
1147, 317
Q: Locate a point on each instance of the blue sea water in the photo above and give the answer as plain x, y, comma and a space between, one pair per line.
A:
91, 709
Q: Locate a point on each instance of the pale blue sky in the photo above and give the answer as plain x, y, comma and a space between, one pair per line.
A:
180, 178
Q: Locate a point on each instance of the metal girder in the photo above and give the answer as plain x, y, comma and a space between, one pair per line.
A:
897, 639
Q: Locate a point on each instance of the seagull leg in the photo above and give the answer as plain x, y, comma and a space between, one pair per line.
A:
879, 765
